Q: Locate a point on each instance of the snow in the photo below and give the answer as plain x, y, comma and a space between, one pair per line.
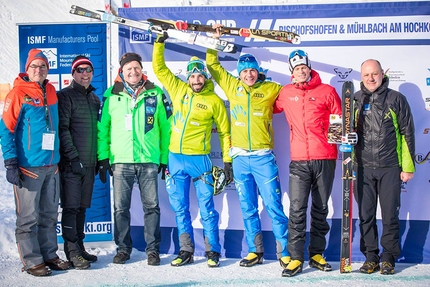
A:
136, 272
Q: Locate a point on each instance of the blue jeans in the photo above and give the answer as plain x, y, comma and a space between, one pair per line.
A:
182, 170
258, 175
123, 180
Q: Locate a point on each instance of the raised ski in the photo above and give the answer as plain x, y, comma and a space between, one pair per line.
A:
274, 35
190, 38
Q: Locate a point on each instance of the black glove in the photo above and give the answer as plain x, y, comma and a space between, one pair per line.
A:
78, 167
162, 37
13, 173
228, 170
104, 166
162, 168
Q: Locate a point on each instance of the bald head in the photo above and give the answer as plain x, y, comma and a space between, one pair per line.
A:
372, 74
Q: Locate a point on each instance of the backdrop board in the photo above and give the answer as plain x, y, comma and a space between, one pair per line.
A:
338, 38
61, 43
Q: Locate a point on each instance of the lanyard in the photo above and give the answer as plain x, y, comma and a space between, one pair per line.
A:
45, 104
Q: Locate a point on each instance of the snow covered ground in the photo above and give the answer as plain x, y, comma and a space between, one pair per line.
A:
136, 272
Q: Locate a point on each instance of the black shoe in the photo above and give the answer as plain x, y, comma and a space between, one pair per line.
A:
251, 259
89, 257
39, 270
121, 258
213, 258
57, 264
184, 257
387, 268
79, 262
369, 267
153, 259
294, 267
317, 261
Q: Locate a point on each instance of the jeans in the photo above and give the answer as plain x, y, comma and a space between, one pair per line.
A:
123, 180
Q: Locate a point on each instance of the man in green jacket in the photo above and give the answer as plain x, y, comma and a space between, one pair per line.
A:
133, 139
196, 108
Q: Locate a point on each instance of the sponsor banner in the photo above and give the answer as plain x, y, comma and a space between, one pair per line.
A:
337, 38
61, 43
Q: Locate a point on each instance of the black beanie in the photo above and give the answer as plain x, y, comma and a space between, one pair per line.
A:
130, 57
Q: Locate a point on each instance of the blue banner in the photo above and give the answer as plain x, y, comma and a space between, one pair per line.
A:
61, 43
337, 38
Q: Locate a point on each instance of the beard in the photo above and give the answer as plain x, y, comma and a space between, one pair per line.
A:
197, 88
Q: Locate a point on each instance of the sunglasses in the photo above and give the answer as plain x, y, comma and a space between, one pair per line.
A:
81, 70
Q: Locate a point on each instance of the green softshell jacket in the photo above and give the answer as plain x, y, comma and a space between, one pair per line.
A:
138, 133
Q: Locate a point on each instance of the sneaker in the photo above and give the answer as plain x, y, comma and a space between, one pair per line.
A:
184, 257
213, 258
317, 261
369, 267
284, 261
89, 257
121, 257
251, 259
294, 267
387, 268
153, 259
39, 270
57, 264
79, 262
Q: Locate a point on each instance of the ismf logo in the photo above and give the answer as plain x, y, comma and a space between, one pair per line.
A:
51, 54
139, 36
428, 79
342, 73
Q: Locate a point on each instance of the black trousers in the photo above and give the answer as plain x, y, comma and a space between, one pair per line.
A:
313, 178
385, 185
76, 192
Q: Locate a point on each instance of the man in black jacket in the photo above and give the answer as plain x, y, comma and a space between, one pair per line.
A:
384, 159
78, 112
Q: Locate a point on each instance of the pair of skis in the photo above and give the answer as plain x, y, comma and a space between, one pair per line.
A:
341, 131
348, 176
190, 38
176, 29
274, 35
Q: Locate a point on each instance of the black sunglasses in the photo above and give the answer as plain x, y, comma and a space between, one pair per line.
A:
81, 70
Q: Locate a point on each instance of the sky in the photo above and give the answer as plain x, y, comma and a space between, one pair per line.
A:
136, 272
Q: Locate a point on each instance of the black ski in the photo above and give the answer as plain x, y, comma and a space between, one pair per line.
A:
190, 38
347, 176
274, 35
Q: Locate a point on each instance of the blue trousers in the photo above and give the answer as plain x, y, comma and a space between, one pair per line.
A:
258, 175
182, 170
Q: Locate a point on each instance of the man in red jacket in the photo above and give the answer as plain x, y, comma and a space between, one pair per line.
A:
307, 104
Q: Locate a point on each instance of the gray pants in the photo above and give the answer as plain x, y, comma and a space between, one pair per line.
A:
37, 215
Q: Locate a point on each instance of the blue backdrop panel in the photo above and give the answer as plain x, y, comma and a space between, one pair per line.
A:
338, 38
61, 43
